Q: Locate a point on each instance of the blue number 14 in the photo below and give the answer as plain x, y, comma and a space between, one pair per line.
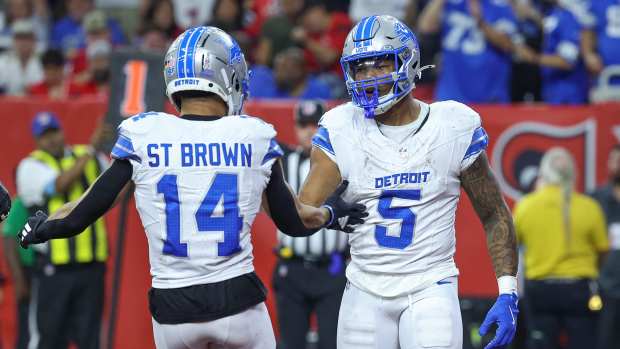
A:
224, 186
403, 213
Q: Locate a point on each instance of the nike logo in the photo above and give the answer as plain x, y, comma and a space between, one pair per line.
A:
443, 282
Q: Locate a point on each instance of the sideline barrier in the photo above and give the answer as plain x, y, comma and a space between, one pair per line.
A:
518, 136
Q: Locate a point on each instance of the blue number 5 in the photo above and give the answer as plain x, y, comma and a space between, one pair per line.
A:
402, 213
224, 185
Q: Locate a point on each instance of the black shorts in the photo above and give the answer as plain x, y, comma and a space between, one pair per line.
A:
206, 302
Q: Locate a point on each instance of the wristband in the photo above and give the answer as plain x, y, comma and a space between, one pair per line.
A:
331, 215
507, 284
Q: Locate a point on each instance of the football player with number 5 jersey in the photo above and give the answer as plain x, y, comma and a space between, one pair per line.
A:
200, 180
406, 161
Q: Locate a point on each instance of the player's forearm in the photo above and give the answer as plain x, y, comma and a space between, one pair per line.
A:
501, 242
323, 178
312, 217
74, 217
486, 197
290, 216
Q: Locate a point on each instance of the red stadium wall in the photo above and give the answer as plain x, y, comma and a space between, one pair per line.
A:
589, 132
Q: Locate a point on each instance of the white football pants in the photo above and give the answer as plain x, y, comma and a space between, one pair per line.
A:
250, 329
430, 318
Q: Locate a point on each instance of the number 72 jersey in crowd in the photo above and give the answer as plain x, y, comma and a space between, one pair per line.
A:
411, 190
198, 189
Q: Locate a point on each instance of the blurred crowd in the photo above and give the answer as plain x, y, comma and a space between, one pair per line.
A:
485, 51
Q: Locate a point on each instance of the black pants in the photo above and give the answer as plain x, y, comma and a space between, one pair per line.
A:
300, 289
609, 323
23, 306
69, 305
558, 307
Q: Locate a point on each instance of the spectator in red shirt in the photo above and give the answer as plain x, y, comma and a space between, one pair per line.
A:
94, 80
54, 84
322, 34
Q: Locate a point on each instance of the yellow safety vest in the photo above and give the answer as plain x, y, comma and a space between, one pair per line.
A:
86, 247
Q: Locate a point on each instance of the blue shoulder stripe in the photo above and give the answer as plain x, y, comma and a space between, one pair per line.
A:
122, 154
479, 142
274, 151
321, 140
123, 149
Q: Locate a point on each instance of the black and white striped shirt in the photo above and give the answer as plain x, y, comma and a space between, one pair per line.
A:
325, 241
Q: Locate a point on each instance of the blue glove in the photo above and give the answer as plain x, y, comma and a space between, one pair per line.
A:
504, 313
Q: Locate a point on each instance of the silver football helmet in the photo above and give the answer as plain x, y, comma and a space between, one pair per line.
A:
209, 60
381, 37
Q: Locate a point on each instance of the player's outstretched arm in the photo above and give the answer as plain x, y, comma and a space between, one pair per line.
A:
486, 197
295, 218
323, 178
74, 217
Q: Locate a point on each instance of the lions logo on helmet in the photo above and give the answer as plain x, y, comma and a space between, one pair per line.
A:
209, 60
381, 37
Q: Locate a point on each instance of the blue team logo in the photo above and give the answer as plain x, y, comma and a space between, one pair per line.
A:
403, 33
235, 53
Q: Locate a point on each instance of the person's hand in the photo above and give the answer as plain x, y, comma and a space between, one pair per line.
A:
5, 203
298, 34
526, 54
28, 235
102, 134
593, 63
338, 209
503, 313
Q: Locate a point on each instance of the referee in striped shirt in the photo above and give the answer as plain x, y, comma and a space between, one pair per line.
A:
309, 276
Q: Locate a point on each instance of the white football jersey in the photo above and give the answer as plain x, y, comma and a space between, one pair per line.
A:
411, 190
199, 185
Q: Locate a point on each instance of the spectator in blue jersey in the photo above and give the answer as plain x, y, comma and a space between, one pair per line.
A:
477, 40
564, 77
68, 33
600, 38
288, 79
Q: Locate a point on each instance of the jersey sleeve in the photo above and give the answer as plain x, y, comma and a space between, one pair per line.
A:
274, 151
269, 148
322, 141
124, 148
471, 138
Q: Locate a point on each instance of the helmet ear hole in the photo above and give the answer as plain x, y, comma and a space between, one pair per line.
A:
414, 65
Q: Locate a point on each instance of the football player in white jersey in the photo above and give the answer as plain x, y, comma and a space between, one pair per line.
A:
200, 180
407, 161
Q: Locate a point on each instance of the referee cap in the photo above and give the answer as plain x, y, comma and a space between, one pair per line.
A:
309, 111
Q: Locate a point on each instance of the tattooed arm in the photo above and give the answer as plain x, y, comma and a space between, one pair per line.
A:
483, 191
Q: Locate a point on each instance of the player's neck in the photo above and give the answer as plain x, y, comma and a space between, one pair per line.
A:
404, 112
204, 106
